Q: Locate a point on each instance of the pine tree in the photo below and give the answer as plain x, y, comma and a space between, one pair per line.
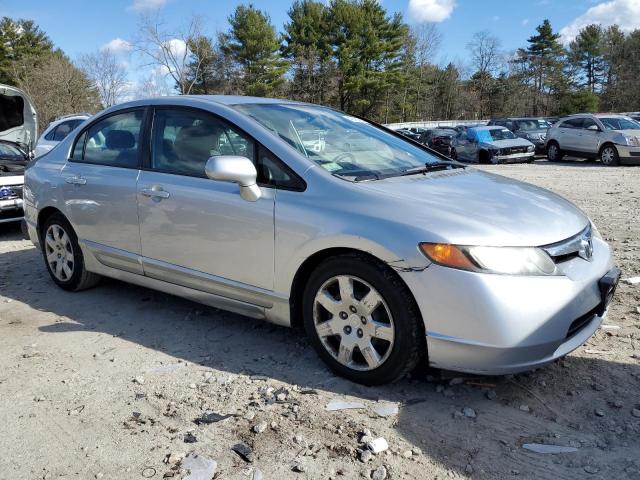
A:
253, 45
586, 54
20, 40
306, 44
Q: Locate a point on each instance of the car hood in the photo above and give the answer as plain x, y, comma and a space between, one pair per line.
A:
18, 119
471, 207
510, 142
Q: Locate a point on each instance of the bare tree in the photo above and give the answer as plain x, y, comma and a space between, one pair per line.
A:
486, 60
171, 51
57, 87
486, 56
153, 85
109, 76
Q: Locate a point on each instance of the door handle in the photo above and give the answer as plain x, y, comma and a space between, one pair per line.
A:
76, 180
155, 192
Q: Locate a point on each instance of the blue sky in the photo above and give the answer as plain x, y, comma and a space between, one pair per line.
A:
80, 26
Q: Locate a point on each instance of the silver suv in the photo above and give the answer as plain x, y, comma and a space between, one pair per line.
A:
614, 139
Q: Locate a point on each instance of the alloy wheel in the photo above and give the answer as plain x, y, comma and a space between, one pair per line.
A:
59, 252
353, 322
553, 152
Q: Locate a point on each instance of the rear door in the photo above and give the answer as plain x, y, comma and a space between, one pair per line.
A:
569, 131
100, 188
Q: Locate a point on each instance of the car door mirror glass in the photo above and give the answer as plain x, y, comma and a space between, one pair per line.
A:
235, 169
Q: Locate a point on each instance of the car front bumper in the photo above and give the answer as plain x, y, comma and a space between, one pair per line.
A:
628, 155
11, 210
497, 324
514, 157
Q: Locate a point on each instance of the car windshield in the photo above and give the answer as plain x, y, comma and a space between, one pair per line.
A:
494, 134
342, 144
12, 160
533, 124
615, 123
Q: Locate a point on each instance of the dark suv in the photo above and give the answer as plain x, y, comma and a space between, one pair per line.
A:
533, 129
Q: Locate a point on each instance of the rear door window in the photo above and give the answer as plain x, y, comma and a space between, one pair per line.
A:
572, 123
113, 141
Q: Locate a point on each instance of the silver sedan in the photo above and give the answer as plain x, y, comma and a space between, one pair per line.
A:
383, 250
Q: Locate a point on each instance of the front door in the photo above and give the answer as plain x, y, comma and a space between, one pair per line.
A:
100, 189
195, 231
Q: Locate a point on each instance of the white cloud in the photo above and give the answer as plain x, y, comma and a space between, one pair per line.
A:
117, 45
144, 5
431, 10
624, 13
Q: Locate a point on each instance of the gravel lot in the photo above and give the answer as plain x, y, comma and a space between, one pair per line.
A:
108, 383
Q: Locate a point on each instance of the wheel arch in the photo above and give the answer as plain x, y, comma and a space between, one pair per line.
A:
604, 145
44, 214
312, 262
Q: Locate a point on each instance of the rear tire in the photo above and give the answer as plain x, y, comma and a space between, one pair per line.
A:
609, 156
63, 256
554, 154
392, 333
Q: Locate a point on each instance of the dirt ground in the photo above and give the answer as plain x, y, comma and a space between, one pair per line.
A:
108, 383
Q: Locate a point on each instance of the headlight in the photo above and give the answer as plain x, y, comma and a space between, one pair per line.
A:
629, 140
530, 148
504, 260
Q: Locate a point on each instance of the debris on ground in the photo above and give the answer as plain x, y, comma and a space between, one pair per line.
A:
544, 448
335, 405
199, 467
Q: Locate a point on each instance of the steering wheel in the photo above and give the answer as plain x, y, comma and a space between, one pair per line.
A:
343, 156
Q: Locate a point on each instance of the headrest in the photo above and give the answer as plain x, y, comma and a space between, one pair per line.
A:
120, 139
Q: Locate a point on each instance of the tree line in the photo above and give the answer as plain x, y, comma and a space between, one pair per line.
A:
349, 54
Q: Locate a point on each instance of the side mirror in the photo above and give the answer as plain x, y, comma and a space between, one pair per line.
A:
235, 169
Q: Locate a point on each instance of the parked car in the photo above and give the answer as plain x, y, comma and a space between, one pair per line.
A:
614, 139
634, 115
491, 144
57, 131
552, 120
18, 131
386, 254
529, 128
438, 139
409, 133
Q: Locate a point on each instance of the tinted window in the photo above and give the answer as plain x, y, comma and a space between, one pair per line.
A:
63, 130
573, 123
589, 124
51, 134
115, 140
183, 141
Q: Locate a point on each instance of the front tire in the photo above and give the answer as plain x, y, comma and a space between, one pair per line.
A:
63, 256
362, 320
609, 156
554, 154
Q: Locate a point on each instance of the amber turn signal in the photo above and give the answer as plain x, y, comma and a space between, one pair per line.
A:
447, 255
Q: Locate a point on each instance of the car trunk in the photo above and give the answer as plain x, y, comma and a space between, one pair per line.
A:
18, 119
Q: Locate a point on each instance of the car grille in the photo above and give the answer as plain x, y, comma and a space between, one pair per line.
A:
10, 192
579, 245
513, 150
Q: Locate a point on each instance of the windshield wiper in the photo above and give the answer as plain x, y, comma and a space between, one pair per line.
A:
430, 167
